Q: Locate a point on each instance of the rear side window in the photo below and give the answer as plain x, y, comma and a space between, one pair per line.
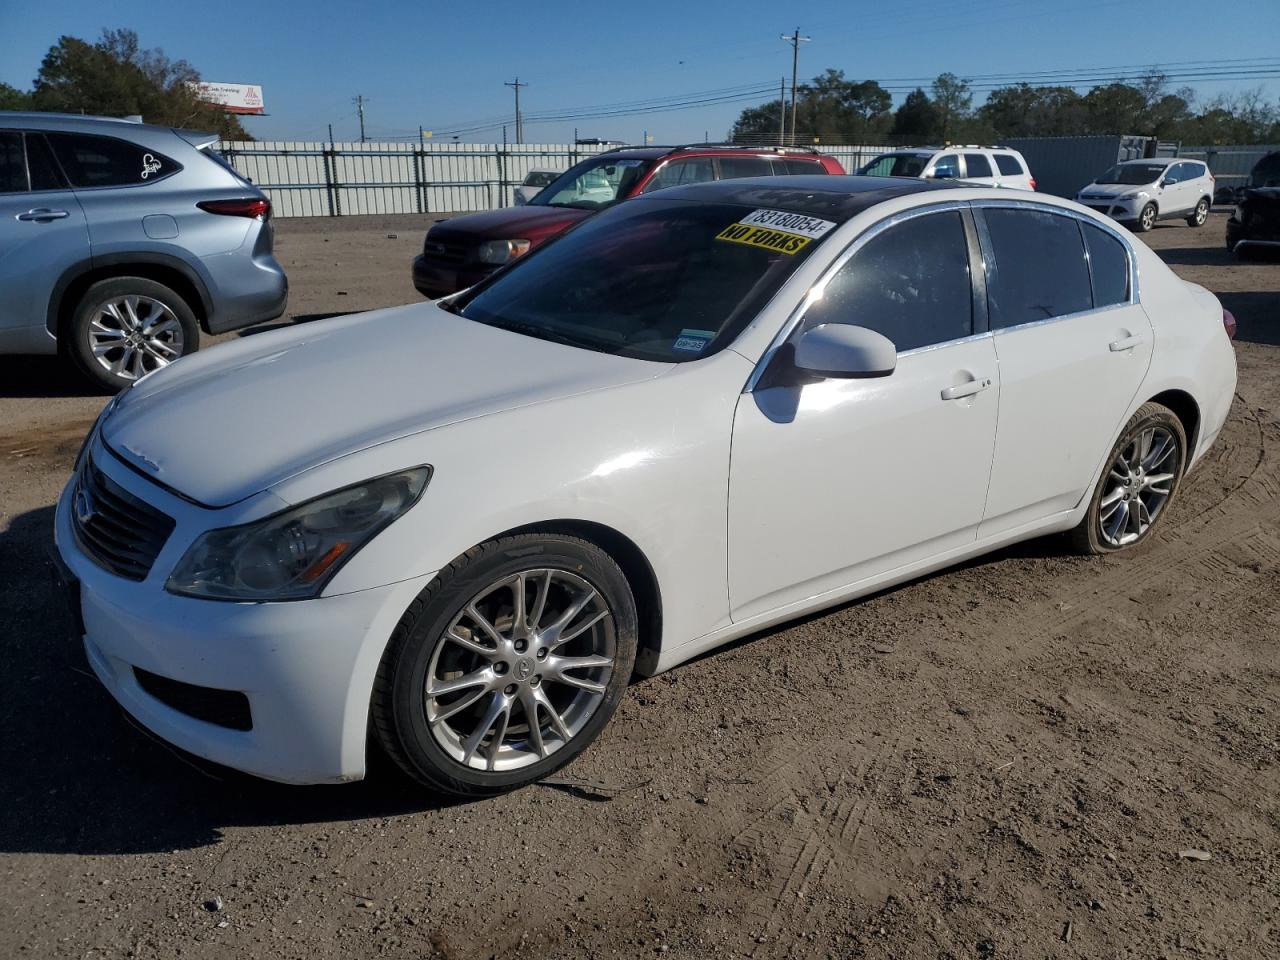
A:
1108, 267
910, 283
1037, 269
1008, 164
41, 165
977, 165
91, 161
733, 167
797, 168
13, 165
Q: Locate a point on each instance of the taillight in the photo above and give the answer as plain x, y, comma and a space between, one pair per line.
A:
1229, 321
254, 208
1033, 183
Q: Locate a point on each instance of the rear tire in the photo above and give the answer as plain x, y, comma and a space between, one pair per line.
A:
1141, 478
457, 685
127, 327
1200, 215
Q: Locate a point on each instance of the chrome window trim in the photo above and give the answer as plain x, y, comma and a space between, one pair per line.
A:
816, 291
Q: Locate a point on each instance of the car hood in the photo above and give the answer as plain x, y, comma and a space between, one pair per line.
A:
1113, 189
529, 222
226, 423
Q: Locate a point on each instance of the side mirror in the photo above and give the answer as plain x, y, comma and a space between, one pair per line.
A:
1169, 181
842, 351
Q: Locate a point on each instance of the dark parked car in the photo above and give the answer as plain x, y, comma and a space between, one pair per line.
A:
463, 251
1255, 223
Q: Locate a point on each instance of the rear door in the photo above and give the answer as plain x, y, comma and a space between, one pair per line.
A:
1073, 346
978, 168
42, 234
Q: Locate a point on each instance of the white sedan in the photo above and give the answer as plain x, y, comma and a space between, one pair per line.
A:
460, 527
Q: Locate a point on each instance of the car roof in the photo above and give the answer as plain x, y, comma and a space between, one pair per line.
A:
1152, 161
710, 149
77, 121
829, 197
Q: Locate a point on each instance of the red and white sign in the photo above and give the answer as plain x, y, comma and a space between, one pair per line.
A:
232, 97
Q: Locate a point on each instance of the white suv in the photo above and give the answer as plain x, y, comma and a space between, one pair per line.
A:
988, 166
1140, 192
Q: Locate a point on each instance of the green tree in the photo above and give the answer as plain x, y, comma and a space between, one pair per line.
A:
11, 98
1027, 111
758, 124
917, 118
1115, 108
953, 102
116, 77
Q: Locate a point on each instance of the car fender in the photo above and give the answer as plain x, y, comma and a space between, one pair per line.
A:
154, 254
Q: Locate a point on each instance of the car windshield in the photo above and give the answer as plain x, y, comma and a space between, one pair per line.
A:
1133, 173
1266, 173
895, 165
654, 279
594, 183
539, 178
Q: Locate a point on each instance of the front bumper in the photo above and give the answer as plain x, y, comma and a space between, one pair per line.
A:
306, 668
1121, 210
1253, 234
435, 279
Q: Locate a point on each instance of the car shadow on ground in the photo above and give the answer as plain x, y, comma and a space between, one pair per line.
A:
81, 777
44, 376
293, 321
1257, 315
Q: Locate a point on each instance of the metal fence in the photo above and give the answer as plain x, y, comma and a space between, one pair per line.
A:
338, 179
1229, 164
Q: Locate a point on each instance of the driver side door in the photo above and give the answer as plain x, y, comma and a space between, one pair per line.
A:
840, 481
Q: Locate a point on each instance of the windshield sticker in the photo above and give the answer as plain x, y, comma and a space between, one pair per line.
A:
796, 223
693, 341
776, 240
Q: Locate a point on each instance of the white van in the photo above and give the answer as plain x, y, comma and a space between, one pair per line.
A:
988, 166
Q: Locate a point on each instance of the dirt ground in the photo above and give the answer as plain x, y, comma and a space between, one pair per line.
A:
1001, 760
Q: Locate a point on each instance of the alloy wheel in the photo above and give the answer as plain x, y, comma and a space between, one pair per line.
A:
1148, 217
520, 670
1202, 212
132, 335
1140, 482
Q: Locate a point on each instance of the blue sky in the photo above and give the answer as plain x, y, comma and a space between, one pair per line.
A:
442, 66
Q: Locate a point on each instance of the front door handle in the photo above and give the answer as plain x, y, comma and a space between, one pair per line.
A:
1128, 343
43, 214
965, 389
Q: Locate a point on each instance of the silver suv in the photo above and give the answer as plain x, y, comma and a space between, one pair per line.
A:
120, 241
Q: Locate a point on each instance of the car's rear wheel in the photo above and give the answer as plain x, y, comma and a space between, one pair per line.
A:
1142, 475
1200, 215
507, 665
1147, 218
127, 327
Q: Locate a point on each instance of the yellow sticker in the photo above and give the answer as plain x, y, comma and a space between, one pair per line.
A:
777, 240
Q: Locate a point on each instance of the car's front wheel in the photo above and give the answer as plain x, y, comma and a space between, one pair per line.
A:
1147, 218
1200, 214
126, 327
507, 666
1143, 471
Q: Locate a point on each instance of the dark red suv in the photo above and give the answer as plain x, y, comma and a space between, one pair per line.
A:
462, 251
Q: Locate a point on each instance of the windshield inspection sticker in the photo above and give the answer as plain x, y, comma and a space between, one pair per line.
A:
775, 230
693, 341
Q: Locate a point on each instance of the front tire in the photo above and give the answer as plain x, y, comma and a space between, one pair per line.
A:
1200, 215
1144, 470
1147, 218
127, 327
507, 665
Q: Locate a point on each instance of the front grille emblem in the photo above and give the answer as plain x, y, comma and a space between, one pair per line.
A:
84, 506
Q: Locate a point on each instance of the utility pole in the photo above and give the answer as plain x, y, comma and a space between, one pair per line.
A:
795, 40
782, 113
359, 102
519, 119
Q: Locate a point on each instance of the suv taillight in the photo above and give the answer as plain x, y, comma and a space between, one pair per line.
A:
1033, 183
253, 208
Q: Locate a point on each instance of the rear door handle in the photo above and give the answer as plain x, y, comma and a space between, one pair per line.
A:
1128, 343
965, 389
41, 214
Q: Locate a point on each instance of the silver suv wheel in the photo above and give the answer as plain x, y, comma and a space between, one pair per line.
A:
133, 335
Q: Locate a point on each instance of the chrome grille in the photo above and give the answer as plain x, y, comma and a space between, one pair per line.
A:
118, 531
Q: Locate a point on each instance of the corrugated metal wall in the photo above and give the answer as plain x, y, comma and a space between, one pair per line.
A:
1230, 164
1062, 165
322, 179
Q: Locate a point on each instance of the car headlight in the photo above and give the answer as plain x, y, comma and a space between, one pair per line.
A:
500, 251
293, 554
1131, 195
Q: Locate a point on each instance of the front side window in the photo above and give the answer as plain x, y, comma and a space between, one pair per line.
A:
732, 168
91, 161
1037, 267
677, 173
910, 283
948, 166
1008, 165
44, 171
1266, 173
13, 164
654, 279
895, 165
594, 183
1108, 266
977, 165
